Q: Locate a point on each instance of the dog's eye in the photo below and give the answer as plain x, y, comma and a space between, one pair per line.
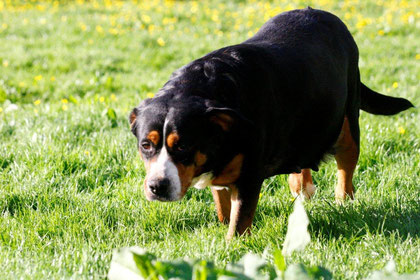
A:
146, 146
180, 148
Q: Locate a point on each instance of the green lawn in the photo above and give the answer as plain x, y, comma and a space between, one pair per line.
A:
70, 175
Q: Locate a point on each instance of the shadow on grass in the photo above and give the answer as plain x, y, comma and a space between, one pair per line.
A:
356, 219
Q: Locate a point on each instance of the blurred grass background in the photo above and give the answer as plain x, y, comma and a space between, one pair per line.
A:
70, 176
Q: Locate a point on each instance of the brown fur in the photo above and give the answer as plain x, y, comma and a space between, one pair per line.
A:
299, 181
224, 120
154, 137
230, 173
133, 117
187, 173
223, 205
346, 158
172, 139
241, 213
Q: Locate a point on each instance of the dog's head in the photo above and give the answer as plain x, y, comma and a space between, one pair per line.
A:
180, 138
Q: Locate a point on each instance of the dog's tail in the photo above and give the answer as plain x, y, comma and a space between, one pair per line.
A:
379, 104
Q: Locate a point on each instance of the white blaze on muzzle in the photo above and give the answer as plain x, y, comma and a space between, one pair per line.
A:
164, 168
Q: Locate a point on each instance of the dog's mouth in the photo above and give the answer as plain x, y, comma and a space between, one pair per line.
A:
163, 198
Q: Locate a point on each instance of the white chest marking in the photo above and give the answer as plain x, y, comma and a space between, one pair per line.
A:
204, 180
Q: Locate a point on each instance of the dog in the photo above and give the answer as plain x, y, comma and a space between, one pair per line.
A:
277, 103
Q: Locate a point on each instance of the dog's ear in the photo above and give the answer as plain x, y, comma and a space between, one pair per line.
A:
132, 119
227, 118
135, 113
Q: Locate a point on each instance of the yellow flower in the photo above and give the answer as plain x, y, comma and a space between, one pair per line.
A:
5, 63
21, 84
64, 101
150, 94
401, 130
395, 85
64, 107
160, 42
101, 99
418, 56
146, 18
113, 31
52, 78
87, 153
37, 102
83, 26
4, 25
381, 32
38, 78
99, 29
113, 97
1, 109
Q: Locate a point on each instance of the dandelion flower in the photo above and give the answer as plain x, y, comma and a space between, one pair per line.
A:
64, 107
37, 102
160, 42
401, 130
64, 101
99, 29
395, 85
101, 99
38, 78
150, 94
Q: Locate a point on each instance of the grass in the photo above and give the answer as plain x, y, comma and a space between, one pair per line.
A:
70, 176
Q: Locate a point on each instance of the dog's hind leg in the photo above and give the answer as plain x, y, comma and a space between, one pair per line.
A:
347, 154
302, 184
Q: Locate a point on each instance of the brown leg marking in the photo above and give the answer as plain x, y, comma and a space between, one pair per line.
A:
242, 212
302, 183
222, 201
347, 154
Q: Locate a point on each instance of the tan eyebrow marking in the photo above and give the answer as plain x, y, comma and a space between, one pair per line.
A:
172, 139
154, 137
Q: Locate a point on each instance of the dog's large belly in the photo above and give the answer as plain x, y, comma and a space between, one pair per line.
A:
303, 112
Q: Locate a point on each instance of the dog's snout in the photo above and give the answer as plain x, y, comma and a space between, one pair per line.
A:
159, 187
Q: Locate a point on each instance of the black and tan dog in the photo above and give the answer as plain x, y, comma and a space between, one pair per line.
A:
274, 104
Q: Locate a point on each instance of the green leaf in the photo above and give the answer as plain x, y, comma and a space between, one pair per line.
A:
177, 269
296, 272
73, 99
297, 236
318, 272
123, 266
279, 260
144, 264
112, 116
3, 95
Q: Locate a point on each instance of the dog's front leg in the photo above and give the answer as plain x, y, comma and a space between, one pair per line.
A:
222, 200
243, 205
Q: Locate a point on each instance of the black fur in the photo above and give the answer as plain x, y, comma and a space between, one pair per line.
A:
287, 89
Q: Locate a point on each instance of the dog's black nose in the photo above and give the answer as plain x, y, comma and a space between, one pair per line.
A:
159, 187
